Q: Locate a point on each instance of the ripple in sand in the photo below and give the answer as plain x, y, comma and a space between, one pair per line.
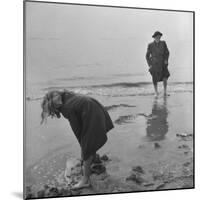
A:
124, 119
112, 107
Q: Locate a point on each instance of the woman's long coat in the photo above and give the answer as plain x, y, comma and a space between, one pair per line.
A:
157, 54
89, 121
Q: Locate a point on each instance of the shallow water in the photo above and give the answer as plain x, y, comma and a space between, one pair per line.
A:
140, 122
145, 135
105, 59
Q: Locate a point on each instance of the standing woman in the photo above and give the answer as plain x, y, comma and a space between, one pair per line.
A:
157, 58
88, 119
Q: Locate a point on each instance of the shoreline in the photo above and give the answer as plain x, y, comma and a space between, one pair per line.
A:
152, 141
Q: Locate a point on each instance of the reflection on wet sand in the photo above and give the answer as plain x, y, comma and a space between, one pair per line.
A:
157, 124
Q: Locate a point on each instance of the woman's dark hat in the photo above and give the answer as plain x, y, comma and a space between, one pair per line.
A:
157, 33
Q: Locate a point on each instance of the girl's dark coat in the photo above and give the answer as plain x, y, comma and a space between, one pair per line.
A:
89, 121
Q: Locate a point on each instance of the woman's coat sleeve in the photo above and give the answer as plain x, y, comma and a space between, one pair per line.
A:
148, 55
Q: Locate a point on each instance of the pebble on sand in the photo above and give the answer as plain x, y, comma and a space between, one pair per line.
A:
160, 186
64, 192
104, 157
98, 169
148, 184
53, 191
184, 136
138, 169
136, 178
97, 159
186, 164
41, 194
184, 146
157, 145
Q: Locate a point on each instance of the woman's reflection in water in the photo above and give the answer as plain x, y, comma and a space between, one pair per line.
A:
157, 125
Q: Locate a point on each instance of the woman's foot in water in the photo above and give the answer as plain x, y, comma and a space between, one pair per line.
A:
156, 94
165, 94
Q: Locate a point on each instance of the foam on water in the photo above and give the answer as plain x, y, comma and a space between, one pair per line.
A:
115, 89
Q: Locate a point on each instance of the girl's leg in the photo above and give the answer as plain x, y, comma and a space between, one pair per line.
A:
85, 180
86, 169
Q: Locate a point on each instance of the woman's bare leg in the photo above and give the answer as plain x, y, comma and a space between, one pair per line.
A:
165, 86
155, 88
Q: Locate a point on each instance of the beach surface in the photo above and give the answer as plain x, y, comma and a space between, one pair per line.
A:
103, 56
150, 147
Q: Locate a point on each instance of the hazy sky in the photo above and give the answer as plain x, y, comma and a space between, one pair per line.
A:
114, 38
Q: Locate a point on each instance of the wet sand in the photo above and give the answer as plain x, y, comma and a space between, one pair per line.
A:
150, 148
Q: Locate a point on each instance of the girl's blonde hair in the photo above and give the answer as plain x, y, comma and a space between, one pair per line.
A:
50, 104
49, 107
